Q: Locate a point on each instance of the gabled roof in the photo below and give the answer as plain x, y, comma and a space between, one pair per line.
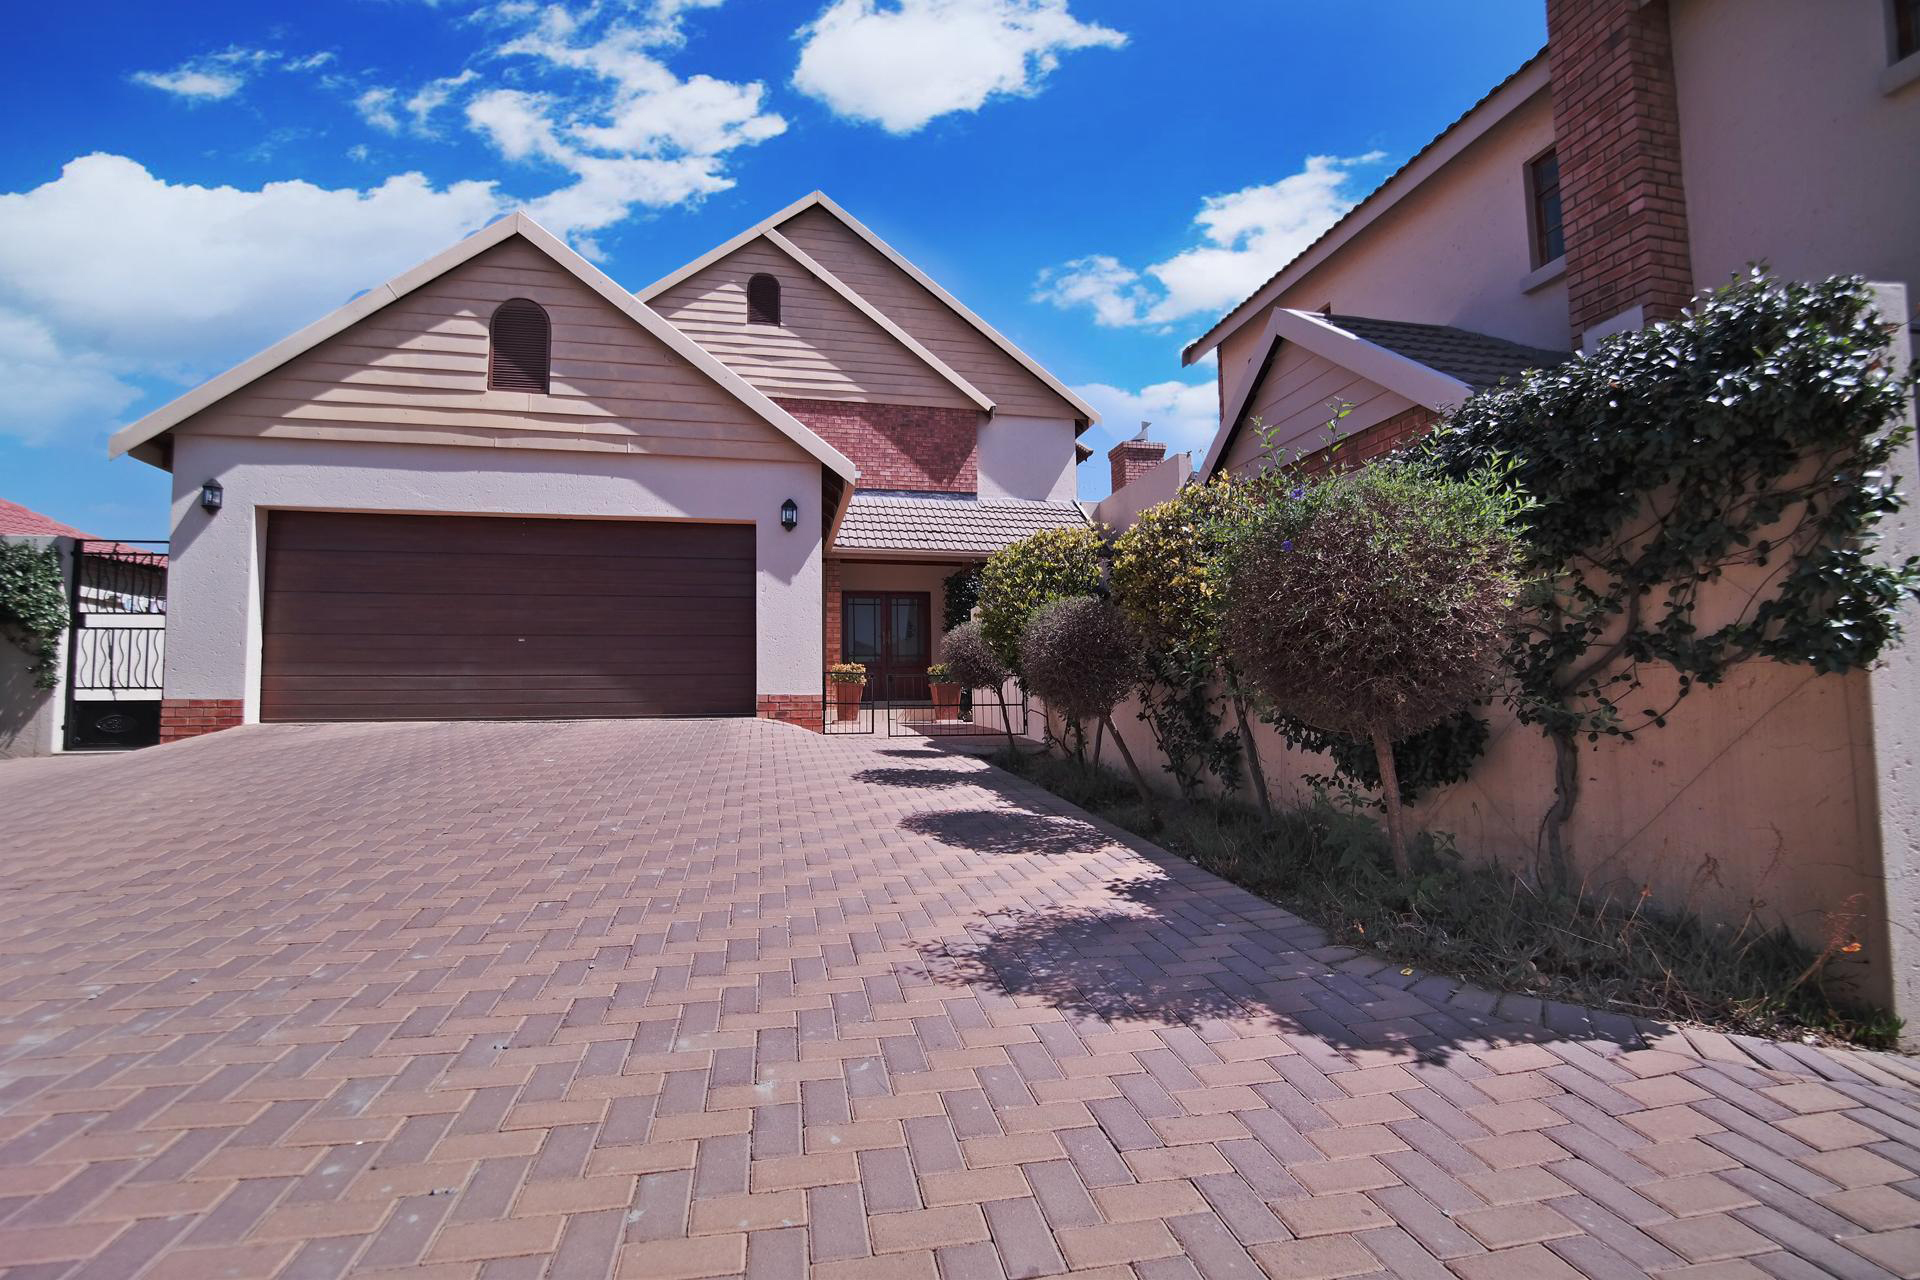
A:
210, 392
25, 522
820, 200
946, 524
1498, 103
1434, 365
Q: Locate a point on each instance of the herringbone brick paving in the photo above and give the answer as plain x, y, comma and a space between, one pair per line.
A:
716, 998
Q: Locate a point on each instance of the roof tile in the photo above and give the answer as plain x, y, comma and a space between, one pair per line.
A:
947, 523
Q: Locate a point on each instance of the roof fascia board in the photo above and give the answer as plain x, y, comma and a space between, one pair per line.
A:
373, 300
1255, 372
1087, 411
1502, 102
724, 248
1419, 383
873, 313
222, 385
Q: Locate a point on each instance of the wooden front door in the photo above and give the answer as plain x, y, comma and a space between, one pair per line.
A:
889, 631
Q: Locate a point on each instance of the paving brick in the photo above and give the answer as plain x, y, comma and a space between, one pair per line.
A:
517, 1016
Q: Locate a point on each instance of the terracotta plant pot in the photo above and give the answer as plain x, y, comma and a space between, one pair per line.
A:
946, 701
846, 699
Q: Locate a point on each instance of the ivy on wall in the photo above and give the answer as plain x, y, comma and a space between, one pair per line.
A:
33, 607
1753, 434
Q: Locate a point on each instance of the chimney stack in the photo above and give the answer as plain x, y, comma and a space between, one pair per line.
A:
1132, 458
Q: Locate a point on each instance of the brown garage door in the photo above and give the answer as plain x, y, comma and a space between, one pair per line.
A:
371, 617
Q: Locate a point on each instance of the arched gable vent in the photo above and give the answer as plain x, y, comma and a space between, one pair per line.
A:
520, 347
763, 299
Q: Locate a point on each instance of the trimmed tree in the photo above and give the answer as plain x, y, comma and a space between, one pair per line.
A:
972, 664
1167, 580
1080, 655
1375, 603
1753, 434
1021, 577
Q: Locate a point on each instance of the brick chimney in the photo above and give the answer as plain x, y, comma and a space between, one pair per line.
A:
1131, 458
1616, 124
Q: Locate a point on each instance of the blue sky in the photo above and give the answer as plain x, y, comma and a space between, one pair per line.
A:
1099, 179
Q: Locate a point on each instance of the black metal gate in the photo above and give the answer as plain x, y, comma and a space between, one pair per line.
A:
909, 706
116, 648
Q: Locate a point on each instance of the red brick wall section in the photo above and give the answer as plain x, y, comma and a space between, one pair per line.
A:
1132, 458
831, 612
1365, 445
806, 710
1616, 124
191, 717
899, 446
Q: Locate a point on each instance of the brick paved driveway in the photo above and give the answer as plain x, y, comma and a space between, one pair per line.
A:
690, 999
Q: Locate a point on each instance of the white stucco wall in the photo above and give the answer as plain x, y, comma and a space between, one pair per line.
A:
1791, 148
1159, 482
1026, 458
213, 646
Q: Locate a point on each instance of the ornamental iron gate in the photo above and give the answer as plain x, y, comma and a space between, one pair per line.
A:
116, 645
903, 706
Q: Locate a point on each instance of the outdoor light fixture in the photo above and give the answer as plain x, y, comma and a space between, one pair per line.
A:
211, 496
789, 514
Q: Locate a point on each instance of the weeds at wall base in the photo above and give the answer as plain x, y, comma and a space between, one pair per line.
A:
1482, 923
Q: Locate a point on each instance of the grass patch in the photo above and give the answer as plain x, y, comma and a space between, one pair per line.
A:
1485, 924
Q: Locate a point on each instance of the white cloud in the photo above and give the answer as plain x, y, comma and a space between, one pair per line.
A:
626, 127
376, 108
212, 77
433, 95
902, 66
1184, 414
1244, 237
111, 276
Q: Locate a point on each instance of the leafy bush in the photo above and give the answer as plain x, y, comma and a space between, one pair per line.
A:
1486, 924
1166, 579
961, 593
1081, 657
1434, 757
969, 661
1018, 579
1375, 603
1754, 430
33, 607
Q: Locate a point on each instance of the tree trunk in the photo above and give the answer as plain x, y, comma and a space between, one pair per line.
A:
1140, 783
1566, 792
1390, 792
1099, 731
1006, 718
1258, 774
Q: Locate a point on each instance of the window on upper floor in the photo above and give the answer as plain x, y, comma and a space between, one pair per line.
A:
1906, 28
1543, 198
763, 300
519, 347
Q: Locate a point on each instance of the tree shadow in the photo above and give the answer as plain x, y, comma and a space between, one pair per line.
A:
1008, 830
932, 779
911, 753
1163, 954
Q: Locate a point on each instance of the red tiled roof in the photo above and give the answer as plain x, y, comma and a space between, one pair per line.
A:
16, 519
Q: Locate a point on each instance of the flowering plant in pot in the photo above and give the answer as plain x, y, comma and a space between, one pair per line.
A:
946, 692
849, 681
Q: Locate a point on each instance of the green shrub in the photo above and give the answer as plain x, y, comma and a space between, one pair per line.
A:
1018, 579
969, 661
1374, 603
33, 607
1080, 655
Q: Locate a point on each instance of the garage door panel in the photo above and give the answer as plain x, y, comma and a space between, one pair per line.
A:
451, 573
506, 535
370, 617
606, 617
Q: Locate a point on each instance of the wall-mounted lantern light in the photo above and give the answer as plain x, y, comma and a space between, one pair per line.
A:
211, 496
789, 514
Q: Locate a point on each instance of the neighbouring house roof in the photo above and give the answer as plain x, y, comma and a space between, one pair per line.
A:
131, 438
25, 522
1434, 365
1478, 359
1499, 102
946, 524
768, 228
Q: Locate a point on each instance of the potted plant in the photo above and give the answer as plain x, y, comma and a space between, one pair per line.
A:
946, 692
849, 681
